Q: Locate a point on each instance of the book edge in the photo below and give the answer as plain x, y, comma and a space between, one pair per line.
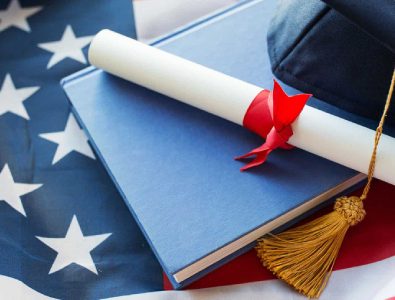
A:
286, 220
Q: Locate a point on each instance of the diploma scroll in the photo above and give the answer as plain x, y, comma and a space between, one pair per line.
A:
315, 131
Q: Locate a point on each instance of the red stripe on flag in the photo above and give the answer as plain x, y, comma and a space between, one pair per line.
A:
370, 241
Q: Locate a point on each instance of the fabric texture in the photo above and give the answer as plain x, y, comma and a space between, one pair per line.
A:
64, 229
342, 53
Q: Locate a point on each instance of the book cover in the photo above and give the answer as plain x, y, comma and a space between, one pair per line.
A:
173, 164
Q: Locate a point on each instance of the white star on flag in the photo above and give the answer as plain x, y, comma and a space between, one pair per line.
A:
71, 139
11, 191
17, 16
69, 46
11, 98
74, 248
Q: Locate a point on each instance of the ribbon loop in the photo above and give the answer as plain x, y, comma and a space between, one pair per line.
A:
270, 115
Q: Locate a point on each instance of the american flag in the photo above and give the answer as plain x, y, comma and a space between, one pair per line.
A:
64, 229
65, 232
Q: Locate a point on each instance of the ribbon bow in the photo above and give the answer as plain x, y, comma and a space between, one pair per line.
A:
271, 115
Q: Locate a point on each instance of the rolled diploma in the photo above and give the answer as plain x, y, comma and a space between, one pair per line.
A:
315, 131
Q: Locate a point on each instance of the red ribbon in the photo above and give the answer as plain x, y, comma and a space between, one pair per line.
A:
270, 115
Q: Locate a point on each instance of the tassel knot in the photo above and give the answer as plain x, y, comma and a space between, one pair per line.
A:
351, 209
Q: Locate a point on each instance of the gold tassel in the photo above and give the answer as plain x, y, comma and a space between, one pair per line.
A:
304, 256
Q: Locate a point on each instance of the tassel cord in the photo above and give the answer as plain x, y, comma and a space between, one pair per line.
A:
377, 137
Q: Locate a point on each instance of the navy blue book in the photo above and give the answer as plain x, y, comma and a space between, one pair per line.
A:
173, 164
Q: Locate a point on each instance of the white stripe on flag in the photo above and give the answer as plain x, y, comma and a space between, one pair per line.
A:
373, 281
11, 288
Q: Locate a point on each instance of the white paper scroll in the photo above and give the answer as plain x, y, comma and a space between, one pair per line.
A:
315, 131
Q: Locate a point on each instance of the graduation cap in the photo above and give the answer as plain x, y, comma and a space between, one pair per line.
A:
344, 53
